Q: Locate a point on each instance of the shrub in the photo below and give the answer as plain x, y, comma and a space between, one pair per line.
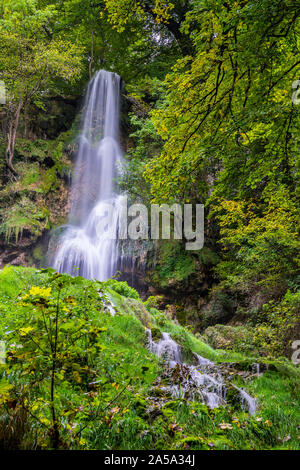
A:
122, 288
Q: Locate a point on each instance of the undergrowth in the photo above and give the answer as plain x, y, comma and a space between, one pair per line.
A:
99, 378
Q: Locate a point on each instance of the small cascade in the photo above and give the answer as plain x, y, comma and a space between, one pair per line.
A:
256, 368
169, 350
202, 382
109, 305
203, 361
247, 401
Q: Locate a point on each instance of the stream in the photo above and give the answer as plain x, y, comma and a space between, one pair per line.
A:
201, 382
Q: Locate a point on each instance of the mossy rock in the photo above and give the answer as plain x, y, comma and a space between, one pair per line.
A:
233, 397
156, 333
38, 253
193, 441
159, 392
172, 265
285, 368
140, 405
170, 408
189, 356
173, 404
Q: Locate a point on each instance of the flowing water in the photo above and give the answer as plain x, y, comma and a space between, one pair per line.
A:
89, 243
202, 382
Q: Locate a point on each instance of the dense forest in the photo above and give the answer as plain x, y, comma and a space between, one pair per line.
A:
175, 349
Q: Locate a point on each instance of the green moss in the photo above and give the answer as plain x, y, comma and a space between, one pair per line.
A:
233, 397
193, 441
38, 255
171, 405
239, 338
48, 181
24, 215
140, 406
156, 334
28, 148
172, 264
13, 279
40, 166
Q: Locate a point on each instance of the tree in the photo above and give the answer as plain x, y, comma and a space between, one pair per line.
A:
228, 116
32, 58
260, 244
170, 15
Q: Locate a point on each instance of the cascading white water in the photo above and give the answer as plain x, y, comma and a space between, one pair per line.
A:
203, 381
89, 246
247, 401
167, 349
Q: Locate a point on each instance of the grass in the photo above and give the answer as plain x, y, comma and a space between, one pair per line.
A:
130, 415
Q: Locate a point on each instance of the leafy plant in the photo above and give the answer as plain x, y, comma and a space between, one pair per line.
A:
54, 352
122, 288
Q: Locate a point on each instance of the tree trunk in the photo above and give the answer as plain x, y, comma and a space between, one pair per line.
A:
11, 136
92, 55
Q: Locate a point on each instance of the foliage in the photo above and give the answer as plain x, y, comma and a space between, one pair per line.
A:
166, 19
220, 308
24, 215
212, 121
265, 242
229, 128
229, 132
54, 349
31, 59
153, 301
172, 263
53, 355
228, 106
237, 338
103, 377
277, 325
268, 331
119, 11
122, 288
146, 145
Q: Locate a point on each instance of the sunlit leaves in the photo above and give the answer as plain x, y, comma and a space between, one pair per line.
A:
229, 105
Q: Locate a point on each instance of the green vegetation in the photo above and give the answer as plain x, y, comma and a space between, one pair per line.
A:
172, 264
31, 60
209, 115
77, 377
26, 204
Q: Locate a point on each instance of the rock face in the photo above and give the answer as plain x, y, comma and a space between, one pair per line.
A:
37, 200
30, 249
181, 280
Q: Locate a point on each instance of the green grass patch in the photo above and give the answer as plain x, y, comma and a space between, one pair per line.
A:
104, 375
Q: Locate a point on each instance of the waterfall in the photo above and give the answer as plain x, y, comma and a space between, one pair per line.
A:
167, 349
202, 382
89, 245
247, 401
